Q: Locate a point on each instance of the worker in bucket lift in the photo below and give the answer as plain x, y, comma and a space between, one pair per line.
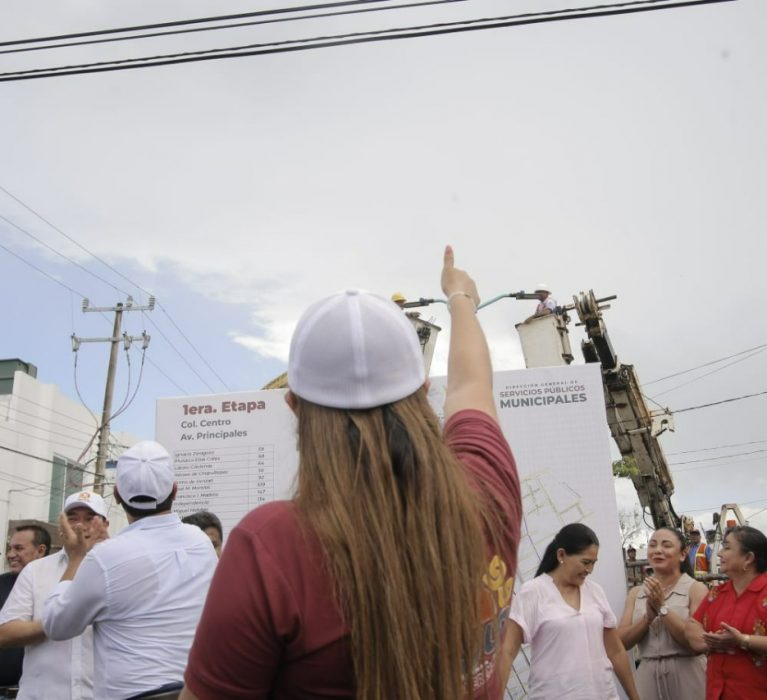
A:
399, 299
547, 304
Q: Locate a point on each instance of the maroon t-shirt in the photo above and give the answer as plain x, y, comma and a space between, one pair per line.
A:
271, 628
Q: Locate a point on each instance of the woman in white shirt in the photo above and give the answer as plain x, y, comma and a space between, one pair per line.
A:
568, 621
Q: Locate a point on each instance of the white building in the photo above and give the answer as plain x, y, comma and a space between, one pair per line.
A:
46, 452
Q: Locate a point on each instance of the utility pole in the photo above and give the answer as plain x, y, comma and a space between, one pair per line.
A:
114, 340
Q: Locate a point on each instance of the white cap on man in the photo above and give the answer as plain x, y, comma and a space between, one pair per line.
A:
144, 475
87, 499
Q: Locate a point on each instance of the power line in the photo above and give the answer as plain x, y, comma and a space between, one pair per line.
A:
69, 464
60, 254
712, 459
191, 345
46, 408
108, 266
717, 447
43, 438
717, 403
198, 20
740, 503
59, 282
709, 466
42, 272
237, 25
706, 364
162, 372
72, 240
178, 352
72, 430
128, 398
355, 38
713, 371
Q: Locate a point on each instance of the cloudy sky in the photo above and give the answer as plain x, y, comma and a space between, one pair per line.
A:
624, 154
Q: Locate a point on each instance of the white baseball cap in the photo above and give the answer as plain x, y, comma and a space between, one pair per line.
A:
543, 287
86, 499
354, 350
145, 470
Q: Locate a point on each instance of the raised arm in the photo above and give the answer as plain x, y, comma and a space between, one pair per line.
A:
469, 372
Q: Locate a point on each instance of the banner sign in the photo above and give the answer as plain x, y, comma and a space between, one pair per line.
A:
234, 452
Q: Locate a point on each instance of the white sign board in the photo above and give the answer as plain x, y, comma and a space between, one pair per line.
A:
234, 452
554, 419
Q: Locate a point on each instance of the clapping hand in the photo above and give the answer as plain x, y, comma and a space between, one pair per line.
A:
78, 539
723, 641
655, 597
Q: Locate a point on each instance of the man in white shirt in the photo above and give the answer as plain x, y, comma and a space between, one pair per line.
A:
143, 590
53, 669
547, 304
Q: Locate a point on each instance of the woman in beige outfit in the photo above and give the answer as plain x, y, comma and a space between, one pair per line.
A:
655, 617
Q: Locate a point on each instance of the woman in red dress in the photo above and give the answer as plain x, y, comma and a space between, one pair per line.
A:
731, 622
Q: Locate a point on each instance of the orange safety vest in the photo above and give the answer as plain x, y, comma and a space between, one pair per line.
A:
701, 561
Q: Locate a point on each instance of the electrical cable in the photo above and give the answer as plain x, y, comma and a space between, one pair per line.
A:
183, 391
238, 25
712, 459
330, 41
63, 440
740, 503
705, 364
72, 240
108, 266
644, 518
178, 352
80, 396
42, 272
42, 459
51, 410
60, 254
717, 447
127, 389
125, 405
21, 481
47, 424
709, 466
191, 345
713, 371
717, 403
198, 20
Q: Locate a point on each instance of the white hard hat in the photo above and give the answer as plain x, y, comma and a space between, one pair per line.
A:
543, 287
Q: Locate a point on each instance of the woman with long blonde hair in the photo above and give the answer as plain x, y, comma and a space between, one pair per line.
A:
389, 574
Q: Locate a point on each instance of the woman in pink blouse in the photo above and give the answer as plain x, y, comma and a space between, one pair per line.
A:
568, 621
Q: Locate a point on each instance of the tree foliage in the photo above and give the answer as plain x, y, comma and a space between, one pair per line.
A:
625, 468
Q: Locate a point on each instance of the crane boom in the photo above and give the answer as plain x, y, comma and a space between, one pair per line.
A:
633, 427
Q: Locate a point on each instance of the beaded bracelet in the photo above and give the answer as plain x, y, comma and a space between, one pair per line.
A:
461, 294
